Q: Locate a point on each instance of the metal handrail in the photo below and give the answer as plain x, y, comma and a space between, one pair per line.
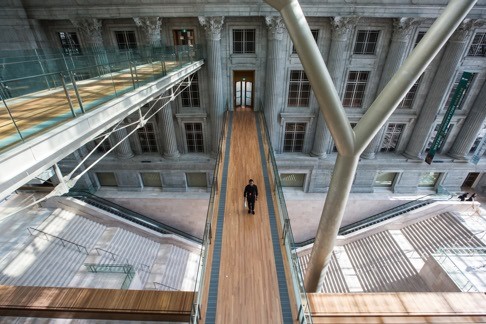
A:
207, 236
132, 215
121, 256
304, 315
59, 238
161, 284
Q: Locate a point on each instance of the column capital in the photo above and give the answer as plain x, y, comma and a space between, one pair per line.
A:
90, 28
465, 29
151, 28
403, 27
341, 26
87, 25
275, 27
212, 26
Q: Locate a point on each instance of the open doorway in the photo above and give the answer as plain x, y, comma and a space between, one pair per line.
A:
243, 87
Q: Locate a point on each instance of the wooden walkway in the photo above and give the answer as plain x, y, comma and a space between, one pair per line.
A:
115, 304
248, 290
38, 112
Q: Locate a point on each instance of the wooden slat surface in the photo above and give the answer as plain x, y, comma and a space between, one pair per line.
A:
95, 303
248, 290
398, 308
49, 106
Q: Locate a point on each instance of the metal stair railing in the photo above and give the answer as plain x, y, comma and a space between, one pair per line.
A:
378, 218
161, 284
442, 256
63, 241
114, 268
130, 215
113, 254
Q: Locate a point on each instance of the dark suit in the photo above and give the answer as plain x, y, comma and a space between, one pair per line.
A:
251, 193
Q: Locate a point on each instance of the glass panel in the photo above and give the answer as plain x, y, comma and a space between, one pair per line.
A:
292, 180
238, 93
106, 179
428, 179
385, 179
196, 180
248, 94
151, 179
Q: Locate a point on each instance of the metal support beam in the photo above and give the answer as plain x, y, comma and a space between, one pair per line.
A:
350, 144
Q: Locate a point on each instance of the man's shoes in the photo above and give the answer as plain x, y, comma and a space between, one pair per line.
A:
253, 212
249, 211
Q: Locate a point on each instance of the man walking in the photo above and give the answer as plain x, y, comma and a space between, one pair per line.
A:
251, 194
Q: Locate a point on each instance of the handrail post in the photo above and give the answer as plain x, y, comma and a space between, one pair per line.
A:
75, 87
66, 92
11, 116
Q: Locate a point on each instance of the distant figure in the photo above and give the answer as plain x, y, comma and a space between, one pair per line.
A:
251, 195
463, 196
472, 197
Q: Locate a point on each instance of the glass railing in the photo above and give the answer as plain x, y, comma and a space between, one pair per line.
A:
304, 315
208, 235
39, 90
443, 256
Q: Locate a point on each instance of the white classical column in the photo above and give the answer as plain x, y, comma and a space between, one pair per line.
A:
213, 27
471, 127
123, 150
151, 29
342, 28
402, 32
274, 77
453, 54
90, 29
166, 126
342, 31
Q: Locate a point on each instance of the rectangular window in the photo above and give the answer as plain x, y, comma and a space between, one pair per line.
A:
454, 88
295, 180
184, 37
196, 180
69, 43
428, 179
479, 137
385, 179
106, 179
407, 102
194, 137
355, 89
151, 179
190, 95
420, 35
147, 138
126, 40
294, 137
315, 34
392, 137
243, 41
478, 46
366, 42
299, 89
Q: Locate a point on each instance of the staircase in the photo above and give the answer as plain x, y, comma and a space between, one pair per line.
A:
391, 260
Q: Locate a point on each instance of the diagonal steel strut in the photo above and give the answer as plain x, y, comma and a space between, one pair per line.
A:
351, 143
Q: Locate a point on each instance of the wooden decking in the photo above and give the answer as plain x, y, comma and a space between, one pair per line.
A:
398, 308
38, 112
248, 291
95, 303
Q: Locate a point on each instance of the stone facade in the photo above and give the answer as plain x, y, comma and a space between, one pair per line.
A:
337, 28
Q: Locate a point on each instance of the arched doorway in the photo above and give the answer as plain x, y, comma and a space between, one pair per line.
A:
243, 87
